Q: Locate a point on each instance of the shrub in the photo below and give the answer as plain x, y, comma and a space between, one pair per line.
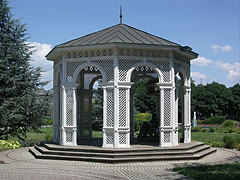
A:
47, 122
9, 144
196, 129
48, 137
140, 118
217, 144
97, 125
214, 120
238, 147
230, 141
211, 130
229, 124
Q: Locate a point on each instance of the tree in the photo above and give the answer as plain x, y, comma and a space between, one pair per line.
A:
143, 101
234, 105
211, 99
21, 109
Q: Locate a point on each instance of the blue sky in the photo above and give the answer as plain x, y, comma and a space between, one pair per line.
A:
210, 27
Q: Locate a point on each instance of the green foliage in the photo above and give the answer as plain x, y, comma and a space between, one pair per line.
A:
229, 124
211, 130
234, 108
211, 172
196, 129
47, 121
231, 141
214, 120
143, 101
97, 125
215, 99
97, 105
21, 108
48, 137
140, 118
9, 144
217, 144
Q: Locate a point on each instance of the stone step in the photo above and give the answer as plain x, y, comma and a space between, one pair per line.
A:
183, 147
37, 154
43, 150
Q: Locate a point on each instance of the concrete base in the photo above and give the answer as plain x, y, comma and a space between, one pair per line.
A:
142, 153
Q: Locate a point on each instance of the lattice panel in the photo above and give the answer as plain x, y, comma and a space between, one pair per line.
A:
143, 71
122, 107
176, 107
122, 138
110, 108
164, 67
69, 136
69, 107
167, 137
124, 66
167, 108
86, 104
71, 67
107, 65
109, 138
88, 79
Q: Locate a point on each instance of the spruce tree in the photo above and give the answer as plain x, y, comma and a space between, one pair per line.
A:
21, 109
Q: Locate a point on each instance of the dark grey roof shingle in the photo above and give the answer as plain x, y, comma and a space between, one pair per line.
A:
120, 33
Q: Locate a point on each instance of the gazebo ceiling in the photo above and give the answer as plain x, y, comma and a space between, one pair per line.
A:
117, 36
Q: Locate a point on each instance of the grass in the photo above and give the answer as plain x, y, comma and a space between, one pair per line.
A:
209, 138
211, 172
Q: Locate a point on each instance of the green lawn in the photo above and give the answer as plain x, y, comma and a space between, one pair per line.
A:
46, 134
212, 172
209, 138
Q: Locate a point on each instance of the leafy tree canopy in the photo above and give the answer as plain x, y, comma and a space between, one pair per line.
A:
21, 108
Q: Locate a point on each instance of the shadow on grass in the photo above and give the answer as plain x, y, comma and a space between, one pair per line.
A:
210, 172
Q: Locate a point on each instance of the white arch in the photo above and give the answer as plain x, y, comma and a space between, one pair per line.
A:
130, 71
79, 68
183, 72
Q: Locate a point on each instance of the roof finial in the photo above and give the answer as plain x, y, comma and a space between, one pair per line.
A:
121, 15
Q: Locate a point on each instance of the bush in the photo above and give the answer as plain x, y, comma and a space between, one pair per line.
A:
230, 141
229, 124
214, 120
211, 130
97, 125
9, 144
48, 137
140, 118
47, 122
238, 147
196, 129
217, 144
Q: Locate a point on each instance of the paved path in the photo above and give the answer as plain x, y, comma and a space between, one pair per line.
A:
20, 164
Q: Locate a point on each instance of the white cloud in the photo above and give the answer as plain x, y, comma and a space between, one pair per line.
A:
39, 60
232, 69
226, 48
198, 77
201, 61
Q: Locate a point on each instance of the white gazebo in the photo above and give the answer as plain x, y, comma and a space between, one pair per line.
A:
119, 56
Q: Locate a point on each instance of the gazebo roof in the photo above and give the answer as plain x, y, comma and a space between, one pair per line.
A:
120, 33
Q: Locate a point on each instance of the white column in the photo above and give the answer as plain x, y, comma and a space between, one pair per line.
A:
166, 128
68, 116
108, 114
187, 114
56, 117
63, 115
